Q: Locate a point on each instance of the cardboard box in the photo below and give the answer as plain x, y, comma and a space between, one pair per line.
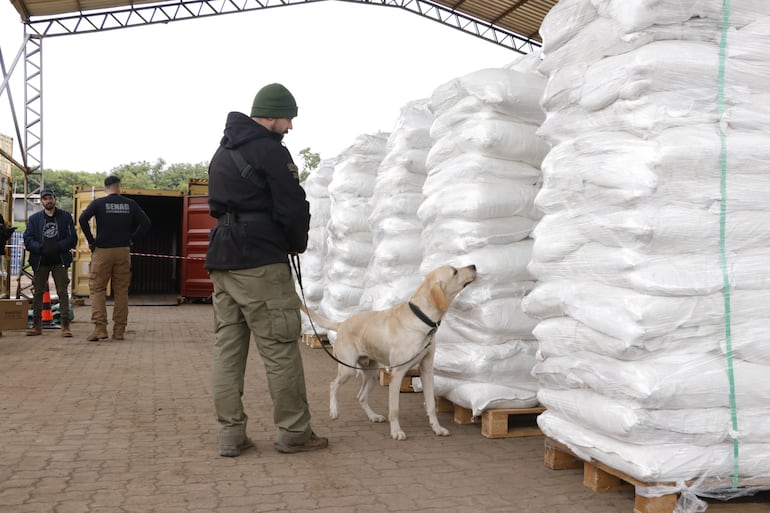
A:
13, 314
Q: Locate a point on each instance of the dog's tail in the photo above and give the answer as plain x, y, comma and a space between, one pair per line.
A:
319, 319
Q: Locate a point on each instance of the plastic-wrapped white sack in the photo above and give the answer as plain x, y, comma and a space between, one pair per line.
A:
667, 275
565, 19
656, 230
494, 260
656, 67
409, 159
670, 381
473, 168
501, 90
569, 18
354, 176
572, 176
345, 273
630, 315
410, 129
397, 204
350, 216
603, 37
663, 462
629, 421
499, 321
385, 294
472, 110
639, 14
479, 397
396, 179
396, 226
457, 236
492, 138
405, 250
507, 364
483, 201
341, 296
366, 144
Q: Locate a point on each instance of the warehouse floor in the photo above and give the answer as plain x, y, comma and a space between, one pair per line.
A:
121, 427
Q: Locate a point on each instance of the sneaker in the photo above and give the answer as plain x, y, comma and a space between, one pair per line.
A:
313, 443
233, 451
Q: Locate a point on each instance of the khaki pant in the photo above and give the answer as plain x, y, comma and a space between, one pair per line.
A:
259, 302
61, 279
110, 264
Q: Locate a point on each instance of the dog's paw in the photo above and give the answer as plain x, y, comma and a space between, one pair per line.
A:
376, 418
398, 435
334, 413
441, 431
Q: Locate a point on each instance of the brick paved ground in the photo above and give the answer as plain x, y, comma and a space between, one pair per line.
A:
124, 427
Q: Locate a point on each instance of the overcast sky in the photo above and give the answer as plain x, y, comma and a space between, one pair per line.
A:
164, 91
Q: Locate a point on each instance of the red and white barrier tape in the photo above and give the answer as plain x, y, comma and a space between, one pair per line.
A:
154, 255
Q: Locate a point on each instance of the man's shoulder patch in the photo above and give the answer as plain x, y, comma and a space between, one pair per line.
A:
293, 169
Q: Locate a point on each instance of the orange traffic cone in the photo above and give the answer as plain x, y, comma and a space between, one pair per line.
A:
47, 314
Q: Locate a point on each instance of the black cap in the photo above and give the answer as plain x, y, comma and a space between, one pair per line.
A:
46, 192
111, 180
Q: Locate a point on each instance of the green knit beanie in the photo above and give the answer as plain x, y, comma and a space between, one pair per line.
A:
274, 101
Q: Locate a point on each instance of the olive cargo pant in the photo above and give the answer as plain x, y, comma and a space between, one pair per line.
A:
262, 302
110, 264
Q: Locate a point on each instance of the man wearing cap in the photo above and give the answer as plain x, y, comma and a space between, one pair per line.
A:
49, 238
119, 221
262, 217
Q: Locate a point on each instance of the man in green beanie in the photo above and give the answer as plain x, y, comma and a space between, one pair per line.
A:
262, 217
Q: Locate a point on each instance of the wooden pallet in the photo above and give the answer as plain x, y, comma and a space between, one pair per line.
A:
602, 478
496, 423
310, 340
406, 382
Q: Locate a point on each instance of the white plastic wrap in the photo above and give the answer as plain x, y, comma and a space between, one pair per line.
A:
393, 271
479, 209
652, 253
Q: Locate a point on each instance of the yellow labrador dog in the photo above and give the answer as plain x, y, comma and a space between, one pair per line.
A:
399, 338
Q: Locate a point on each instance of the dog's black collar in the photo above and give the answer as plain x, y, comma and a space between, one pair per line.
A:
421, 315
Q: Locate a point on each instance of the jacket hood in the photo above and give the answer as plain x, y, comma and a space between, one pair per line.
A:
240, 129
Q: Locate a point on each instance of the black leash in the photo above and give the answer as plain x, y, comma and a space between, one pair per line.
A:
294, 258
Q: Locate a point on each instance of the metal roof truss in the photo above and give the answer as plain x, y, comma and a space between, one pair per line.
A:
138, 15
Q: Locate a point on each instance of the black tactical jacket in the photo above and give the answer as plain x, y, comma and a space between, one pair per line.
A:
262, 214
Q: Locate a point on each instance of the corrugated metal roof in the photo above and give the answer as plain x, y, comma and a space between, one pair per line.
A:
522, 17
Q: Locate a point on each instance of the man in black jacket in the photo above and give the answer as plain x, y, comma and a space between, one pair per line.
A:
262, 217
50, 237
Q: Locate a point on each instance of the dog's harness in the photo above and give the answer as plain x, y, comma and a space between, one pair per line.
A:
414, 308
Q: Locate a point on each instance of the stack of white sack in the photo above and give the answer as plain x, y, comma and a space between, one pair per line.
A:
349, 236
651, 259
312, 261
483, 175
393, 273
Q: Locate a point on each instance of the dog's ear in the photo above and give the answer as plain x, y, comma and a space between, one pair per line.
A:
439, 298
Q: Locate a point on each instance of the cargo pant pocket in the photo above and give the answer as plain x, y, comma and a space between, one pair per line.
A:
285, 322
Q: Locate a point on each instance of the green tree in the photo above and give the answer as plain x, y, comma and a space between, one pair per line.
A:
139, 175
310, 162
176, 176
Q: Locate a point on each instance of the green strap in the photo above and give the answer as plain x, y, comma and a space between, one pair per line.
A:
722, 230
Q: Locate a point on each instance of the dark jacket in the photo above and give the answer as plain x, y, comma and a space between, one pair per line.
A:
33, 237
119, 221
259, 220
